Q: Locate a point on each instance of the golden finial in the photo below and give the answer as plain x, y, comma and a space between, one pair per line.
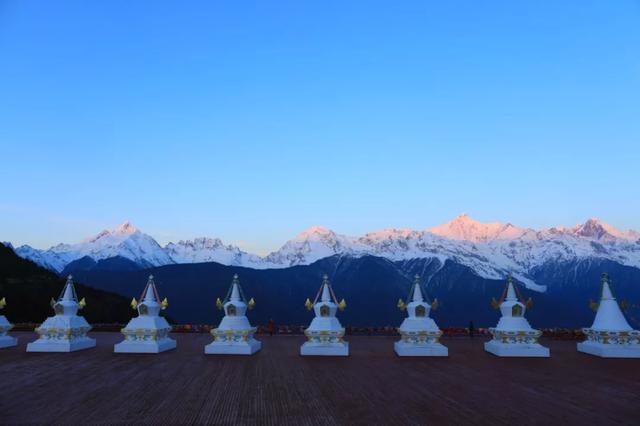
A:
82, 303
308, 304
624, 305
165, 304
134, 304
435, 304
401, 305
251, 304
494, 303
342, 305
593, 305
219, 304
529, 303
3, 302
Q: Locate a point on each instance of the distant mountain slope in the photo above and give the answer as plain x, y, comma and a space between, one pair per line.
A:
490, 251
28, 289
117, 263
372, 286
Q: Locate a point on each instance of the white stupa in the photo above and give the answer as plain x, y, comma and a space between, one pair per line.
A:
234, 335
5, 326
66, 331
148, 332
419, 333
513, 336
325, 334
610, 336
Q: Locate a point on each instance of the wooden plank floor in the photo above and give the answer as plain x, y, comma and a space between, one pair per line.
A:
276, 386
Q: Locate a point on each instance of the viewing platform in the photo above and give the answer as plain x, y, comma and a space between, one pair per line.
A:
277, 386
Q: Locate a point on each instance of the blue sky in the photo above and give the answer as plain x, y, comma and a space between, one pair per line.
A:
251, 121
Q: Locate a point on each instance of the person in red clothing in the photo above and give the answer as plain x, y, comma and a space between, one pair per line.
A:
271, 327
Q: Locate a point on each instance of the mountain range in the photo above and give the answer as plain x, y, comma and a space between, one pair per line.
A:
489, 250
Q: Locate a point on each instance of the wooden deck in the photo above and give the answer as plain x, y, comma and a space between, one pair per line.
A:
276, 386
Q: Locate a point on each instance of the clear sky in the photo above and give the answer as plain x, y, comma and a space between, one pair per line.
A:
251, 121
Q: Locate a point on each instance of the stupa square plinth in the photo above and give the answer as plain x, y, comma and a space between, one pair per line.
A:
66, 331
521, 343
148, 332
234, 335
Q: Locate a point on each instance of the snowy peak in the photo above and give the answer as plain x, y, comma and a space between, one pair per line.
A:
464, 228
310, 245
315, 232
597, 230
125, 241
125, 228
210, 250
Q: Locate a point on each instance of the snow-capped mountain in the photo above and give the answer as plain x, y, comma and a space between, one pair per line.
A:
211, 250
125, 241
313, 244
491, 250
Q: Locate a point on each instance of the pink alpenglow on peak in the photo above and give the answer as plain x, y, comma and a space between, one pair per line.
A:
125, 228
465, 228
596, 229
315, 231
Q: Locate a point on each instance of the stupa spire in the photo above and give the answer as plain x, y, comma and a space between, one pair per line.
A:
609, 315
417, 291
326, 296
511, 291
606, 289
69, 292
150, 295
235, 289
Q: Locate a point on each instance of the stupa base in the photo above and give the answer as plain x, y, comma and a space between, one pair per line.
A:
42, 345
535, 350
331, 349
249, 347
409, 349
609, 350
156, 347
8, 341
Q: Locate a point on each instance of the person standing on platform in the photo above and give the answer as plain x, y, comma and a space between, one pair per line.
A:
271, 326
471, 329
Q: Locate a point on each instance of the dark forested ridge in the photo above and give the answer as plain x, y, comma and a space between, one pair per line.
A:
28, 289
372, 286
